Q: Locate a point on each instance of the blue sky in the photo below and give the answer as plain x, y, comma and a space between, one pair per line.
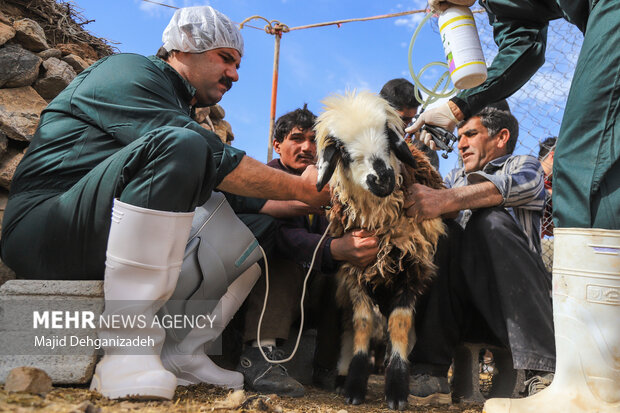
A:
317, 62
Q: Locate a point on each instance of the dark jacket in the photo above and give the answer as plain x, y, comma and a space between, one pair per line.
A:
297, 237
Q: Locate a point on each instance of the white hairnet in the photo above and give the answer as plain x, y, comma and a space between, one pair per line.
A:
202, 28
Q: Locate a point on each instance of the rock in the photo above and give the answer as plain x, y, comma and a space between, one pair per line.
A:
224, 131
30, 35
65, 369
18, 67
201, 114
20, 109
46, 54
8, 164
58, 75
76, 62
6, 33
4, 19
217, 113
28, 379
80, 49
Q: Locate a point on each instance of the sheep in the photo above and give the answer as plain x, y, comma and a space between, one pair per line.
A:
365, 161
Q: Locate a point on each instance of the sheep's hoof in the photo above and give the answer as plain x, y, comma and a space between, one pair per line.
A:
397, 405
357, 380
397, 383
340, 381
354, 400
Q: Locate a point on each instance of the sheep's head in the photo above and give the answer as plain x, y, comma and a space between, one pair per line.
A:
359, 134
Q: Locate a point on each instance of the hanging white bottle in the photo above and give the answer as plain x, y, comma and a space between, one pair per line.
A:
462, 47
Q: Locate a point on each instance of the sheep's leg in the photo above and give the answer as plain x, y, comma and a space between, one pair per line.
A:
346, 355
400, 327
346, 343
359, 369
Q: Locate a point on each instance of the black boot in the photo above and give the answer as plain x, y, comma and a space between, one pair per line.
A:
427, 389
268, 378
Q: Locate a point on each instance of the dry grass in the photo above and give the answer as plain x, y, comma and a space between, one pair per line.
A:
205, 398
62, 22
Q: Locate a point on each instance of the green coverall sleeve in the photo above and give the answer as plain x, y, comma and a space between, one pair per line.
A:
521, 53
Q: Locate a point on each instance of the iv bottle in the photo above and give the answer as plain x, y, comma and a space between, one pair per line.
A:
462, 47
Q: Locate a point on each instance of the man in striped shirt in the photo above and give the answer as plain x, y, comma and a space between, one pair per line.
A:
491, 284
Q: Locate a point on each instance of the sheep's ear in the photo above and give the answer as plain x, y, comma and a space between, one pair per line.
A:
400, 148
327, 165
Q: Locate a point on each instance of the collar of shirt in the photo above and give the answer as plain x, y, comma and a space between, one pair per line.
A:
277, 163
490, 168
184, 89
496, 164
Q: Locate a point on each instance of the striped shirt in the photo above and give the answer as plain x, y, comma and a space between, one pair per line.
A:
520, 181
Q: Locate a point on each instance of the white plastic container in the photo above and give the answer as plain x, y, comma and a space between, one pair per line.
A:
462, 47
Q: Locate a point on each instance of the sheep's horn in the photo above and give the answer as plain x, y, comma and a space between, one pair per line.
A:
400, 148
327, 166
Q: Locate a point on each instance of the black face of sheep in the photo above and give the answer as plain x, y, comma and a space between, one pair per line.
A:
381, 181
364, 148
364, 159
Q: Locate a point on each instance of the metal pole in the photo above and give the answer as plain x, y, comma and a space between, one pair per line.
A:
274, 90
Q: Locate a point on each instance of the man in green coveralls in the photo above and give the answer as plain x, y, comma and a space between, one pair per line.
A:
120, 139
586, 196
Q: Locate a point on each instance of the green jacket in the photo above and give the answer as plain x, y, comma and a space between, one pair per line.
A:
520, 32
117, 100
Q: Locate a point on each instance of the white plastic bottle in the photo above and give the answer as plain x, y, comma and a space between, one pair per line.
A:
462, 47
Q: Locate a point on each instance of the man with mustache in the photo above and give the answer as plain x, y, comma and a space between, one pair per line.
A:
491, 284
296, 240
120, 141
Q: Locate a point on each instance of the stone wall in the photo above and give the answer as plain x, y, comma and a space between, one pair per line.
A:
35, 65
212, 118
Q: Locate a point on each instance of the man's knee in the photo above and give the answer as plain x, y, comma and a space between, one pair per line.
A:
182, 152
169, 169
486, 221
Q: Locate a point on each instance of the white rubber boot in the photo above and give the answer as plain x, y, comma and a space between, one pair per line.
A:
143, 260
187, 359
586, 314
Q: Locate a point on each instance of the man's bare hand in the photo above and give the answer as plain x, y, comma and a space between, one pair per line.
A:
311, 196
358, 247
287, 209
422, 202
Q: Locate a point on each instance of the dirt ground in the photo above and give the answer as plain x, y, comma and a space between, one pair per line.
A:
204, 398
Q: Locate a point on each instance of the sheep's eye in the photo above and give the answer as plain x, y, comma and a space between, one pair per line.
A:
345, 155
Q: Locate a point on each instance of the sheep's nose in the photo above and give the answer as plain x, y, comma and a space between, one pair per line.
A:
382, 182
